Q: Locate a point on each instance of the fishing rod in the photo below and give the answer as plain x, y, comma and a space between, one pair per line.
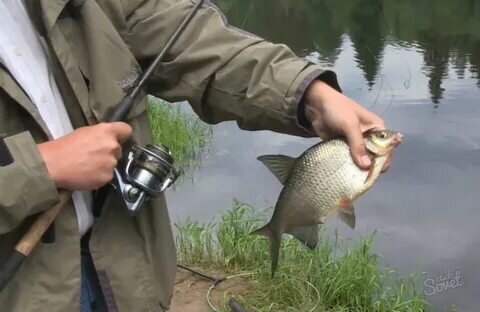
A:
148, 172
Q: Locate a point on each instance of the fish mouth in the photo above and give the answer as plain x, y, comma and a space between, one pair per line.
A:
397, 139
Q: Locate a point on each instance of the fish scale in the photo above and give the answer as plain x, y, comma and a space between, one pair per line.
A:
323, 175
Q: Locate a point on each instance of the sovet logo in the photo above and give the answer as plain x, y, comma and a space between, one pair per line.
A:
442, 282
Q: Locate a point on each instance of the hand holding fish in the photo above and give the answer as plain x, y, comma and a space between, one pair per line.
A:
332, 114
329, 176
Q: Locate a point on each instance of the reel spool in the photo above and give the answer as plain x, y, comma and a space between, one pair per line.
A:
149, 171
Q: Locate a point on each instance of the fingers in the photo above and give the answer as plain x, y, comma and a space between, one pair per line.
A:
333, 114
358, 150
121, 130
118, 152
370, 121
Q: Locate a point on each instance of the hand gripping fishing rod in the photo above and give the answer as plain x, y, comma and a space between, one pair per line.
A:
149, 171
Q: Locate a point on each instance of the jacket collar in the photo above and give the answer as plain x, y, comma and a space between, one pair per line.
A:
10, 87
49, 10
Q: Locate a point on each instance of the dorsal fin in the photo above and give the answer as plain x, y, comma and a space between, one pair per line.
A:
280, 165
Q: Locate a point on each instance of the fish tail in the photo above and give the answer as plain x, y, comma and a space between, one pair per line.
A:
275, 240
274, 252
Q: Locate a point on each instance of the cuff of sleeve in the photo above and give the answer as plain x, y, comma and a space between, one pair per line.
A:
32, 188
297, 90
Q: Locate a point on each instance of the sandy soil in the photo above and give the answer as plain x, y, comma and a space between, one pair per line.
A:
191, 291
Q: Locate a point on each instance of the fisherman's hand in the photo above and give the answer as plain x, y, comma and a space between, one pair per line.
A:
332, 114
85, 158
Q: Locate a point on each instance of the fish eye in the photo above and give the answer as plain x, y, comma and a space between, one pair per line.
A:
383, 135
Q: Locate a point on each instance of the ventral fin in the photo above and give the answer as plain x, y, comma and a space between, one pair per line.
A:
346, 212
280, 165
307, 235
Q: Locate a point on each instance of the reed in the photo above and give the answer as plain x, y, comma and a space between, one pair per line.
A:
182, 132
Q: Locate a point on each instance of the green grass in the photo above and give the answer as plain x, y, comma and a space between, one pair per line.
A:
182, 132
330, 278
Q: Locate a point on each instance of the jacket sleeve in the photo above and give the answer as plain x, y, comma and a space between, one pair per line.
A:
223, 72
25, 185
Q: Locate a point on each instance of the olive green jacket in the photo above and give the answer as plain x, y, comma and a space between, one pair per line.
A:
97, 49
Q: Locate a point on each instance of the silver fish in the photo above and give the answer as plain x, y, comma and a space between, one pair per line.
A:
322, 181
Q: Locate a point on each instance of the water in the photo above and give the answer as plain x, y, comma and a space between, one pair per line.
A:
416, 64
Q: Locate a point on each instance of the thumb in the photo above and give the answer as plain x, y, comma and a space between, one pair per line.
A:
357, 146
122, 131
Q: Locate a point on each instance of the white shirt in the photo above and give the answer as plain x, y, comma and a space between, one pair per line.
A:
21, 51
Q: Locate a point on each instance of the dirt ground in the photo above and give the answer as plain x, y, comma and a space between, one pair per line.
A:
191, 290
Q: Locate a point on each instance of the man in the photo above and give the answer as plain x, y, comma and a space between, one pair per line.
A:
64, 65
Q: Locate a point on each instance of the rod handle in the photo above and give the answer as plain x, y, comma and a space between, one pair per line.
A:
41, 224
26, 244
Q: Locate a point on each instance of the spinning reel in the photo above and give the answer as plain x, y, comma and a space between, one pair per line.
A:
149, 171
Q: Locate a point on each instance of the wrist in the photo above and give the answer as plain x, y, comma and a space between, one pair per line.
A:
51, 162
317, 92
316, 96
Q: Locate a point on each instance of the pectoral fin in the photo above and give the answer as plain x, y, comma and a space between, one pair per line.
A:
280, 165
307, 235
347, 217
346, 212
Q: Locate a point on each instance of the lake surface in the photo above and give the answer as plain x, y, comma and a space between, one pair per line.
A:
414, 63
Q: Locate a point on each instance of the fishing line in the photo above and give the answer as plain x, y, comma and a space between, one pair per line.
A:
378, 93
318, 296
215, 281
218, 282
391, 100
247, 15
198, 273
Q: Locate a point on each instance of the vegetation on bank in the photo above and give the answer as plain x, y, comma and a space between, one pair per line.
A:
182, 132
329, 278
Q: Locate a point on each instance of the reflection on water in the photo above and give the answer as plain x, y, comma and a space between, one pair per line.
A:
444, 32
415, 63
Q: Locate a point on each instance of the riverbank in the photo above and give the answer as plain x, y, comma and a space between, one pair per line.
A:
332, 277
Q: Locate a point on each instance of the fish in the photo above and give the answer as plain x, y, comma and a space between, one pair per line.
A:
320, 182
